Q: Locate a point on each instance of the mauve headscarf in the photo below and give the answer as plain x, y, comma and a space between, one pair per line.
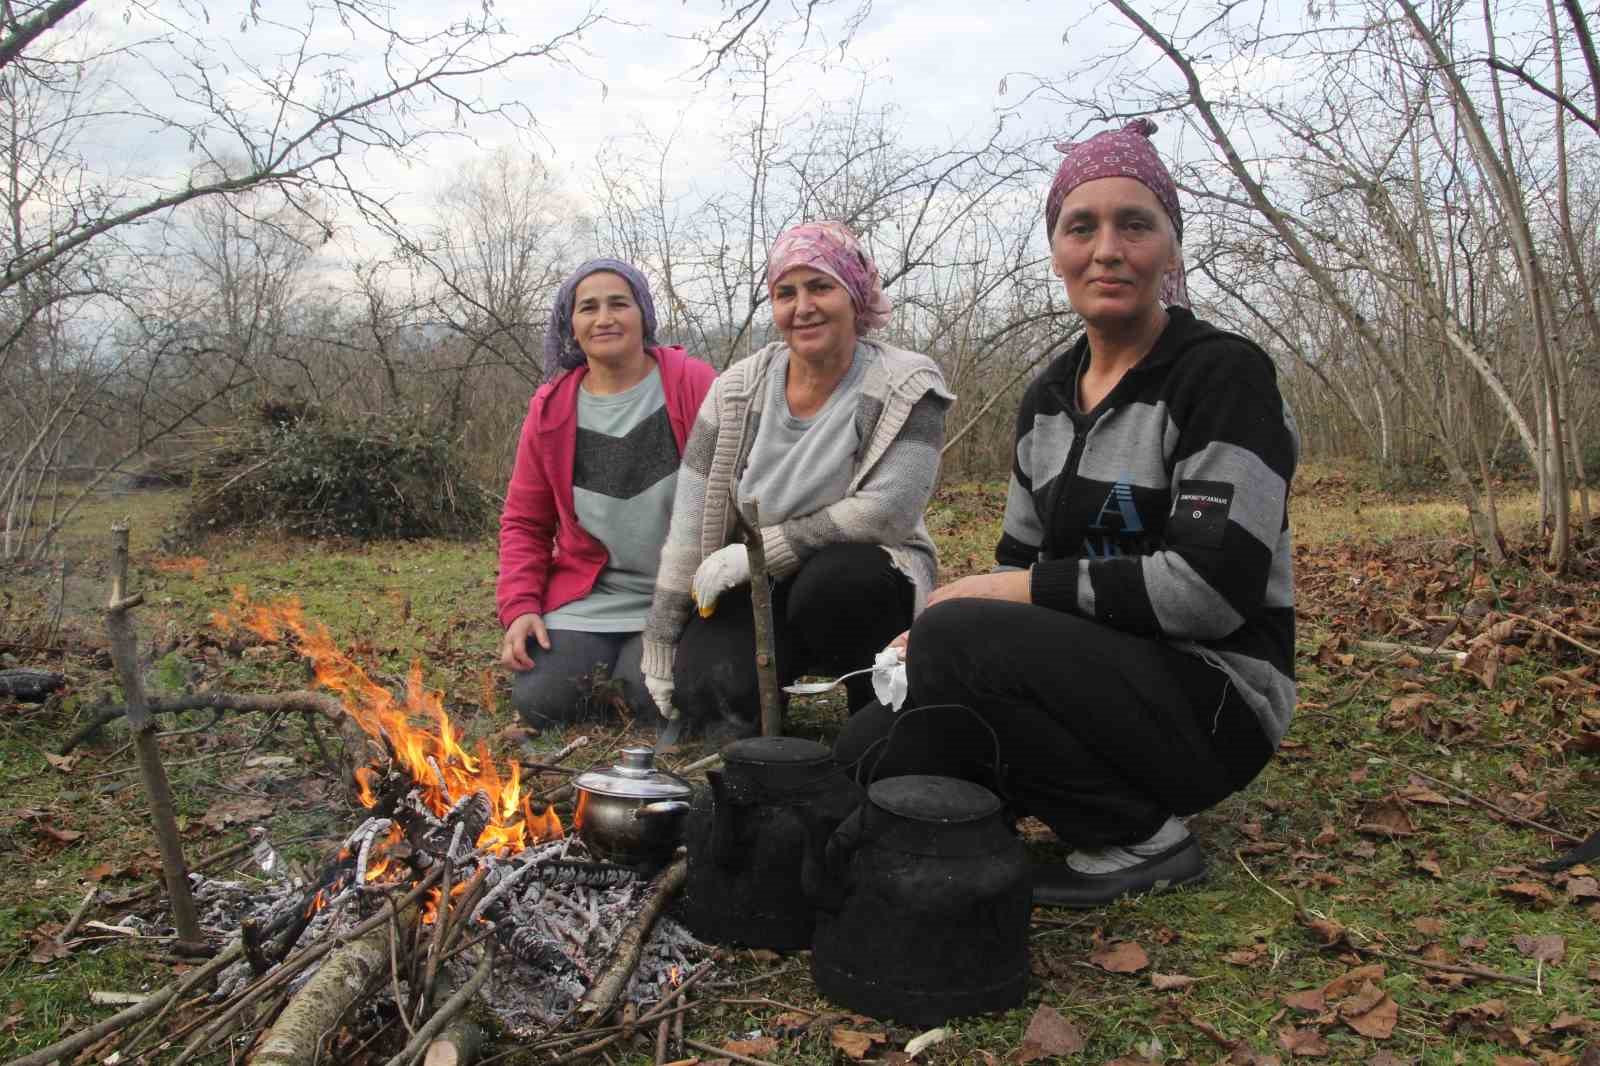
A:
1124, 153
561, 351
834, 250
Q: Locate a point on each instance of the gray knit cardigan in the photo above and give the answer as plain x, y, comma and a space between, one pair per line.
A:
900, 419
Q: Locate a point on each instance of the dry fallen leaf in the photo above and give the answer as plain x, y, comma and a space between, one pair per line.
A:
1348, 982
1302, 1043
855, 1043
64, 763
1528, 890
1247, 956
1371, 1012
1475, 1014
1582, 888
760, 1047
65, 836
1386, 818
1121, 956
1429, 926
1551, 949
790, 1022
1048, 1035
1327, 930
1307, 999
1407, 704
1167, 982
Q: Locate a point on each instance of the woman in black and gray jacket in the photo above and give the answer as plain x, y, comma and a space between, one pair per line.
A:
1133, 650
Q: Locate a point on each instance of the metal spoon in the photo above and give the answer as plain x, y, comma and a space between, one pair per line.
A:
813, 688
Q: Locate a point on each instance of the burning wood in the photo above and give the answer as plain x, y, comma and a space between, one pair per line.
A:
453, 881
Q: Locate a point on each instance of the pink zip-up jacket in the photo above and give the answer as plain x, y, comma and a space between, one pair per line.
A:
546, 558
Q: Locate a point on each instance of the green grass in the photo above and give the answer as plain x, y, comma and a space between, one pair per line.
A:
1287, 847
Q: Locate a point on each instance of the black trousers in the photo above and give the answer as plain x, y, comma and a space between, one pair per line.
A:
833, 615
1101, 735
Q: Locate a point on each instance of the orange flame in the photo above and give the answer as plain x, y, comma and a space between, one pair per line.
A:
425, 742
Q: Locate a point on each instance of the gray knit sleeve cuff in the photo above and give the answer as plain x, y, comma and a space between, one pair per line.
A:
782, 561
656, 660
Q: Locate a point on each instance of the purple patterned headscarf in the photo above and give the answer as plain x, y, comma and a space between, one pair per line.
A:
1124, 153
561, 351
831, 248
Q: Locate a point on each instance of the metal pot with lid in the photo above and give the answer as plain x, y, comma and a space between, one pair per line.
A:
631, 813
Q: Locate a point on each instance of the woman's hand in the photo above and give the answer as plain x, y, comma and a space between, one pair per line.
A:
514, 648
727, 567
1013, 585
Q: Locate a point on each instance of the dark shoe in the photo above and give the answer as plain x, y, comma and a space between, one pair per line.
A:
1059, 885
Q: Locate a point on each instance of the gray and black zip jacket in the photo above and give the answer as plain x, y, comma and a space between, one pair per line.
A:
1163, 512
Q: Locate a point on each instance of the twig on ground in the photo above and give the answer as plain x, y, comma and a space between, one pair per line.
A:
725, 1053
1480, 801
1555, 632
77, 917
1446, 967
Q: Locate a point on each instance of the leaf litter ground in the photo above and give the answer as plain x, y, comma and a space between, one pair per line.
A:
1445, 745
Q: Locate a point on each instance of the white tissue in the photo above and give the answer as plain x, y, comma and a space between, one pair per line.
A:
889, 678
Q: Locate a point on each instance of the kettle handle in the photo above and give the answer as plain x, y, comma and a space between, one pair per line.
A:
825, 867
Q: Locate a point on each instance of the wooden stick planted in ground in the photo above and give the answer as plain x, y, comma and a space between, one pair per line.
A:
158, 790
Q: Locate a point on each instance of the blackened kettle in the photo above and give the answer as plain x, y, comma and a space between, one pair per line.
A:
924, 897
746, 839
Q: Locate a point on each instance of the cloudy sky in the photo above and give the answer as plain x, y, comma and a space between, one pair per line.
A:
940, 63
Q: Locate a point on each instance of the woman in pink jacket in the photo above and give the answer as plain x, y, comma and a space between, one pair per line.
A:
590, 499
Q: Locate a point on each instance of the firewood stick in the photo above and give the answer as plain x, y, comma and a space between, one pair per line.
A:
63, 1050
418, 1045
77, 917
224, 1014
567, 751
608, 987
662, 1032
749, 517
394, 973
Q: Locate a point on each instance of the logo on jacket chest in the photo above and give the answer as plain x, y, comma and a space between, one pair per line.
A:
1117, 528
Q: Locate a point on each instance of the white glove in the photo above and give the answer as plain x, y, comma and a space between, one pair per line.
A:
720, 571
889, 677
660, 689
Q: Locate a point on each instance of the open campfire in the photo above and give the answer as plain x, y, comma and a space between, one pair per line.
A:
459, 885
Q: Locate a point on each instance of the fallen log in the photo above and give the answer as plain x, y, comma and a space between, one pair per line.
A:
315, 1010
608, 987
459, 1045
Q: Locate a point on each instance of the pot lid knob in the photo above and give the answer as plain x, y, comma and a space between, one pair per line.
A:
636, 762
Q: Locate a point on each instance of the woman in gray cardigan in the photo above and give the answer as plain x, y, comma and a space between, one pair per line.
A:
838, 438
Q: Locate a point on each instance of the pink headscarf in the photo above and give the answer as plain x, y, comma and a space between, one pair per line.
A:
1124, 153
834, 250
